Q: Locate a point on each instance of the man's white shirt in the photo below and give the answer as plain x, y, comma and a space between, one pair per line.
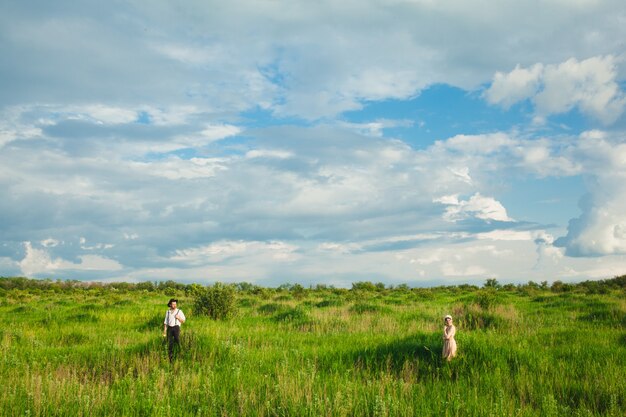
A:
170, 317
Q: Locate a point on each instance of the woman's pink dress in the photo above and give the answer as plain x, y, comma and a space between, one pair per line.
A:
449, 344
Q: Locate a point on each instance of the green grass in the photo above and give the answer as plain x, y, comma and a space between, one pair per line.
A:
101, 353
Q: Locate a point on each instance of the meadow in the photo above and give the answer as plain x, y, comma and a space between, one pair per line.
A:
370, 351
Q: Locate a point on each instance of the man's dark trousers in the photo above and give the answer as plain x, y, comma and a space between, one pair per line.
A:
173, 341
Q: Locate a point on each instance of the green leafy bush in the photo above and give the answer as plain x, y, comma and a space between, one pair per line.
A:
297, 317
296, 314
487, 299
330, 302
361, 308
271, 308
216, 301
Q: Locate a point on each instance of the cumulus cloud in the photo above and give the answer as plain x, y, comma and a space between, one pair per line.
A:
448, 269
312, 60
220, 251
38, 261
175, 152
304, 196
175, 168
600, 228
477, 206
479, 144
590, 85
509, 88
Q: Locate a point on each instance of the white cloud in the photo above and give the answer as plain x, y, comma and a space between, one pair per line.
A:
338, 198
50, 243
108, 114
428, 259
519, 84
223, 250
189, 54
310, 59
339, 248
479, 144
599, 229
477, 206
172, 115
176, 168
500, 234
328, 197
450, 270
266, 153
377, 127
97, 246
37, 261
463, 174
218, 132
589, 85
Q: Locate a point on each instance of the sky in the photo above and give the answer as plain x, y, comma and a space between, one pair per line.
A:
409, 142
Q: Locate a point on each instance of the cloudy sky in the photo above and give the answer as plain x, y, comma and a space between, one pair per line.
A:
420, 142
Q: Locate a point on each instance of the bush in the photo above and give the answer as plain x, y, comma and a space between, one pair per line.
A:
271, 308
330, 302
559, 286
492, 283
298, 291
368, 286
471, 317
247, 302
284, 297
217, 301
361, 308
294, 315
487, 298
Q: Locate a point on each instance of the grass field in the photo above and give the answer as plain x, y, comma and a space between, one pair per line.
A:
99, 352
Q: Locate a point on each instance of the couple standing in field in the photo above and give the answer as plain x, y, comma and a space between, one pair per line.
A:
174, 317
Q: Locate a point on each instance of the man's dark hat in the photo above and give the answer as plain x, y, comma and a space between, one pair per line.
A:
172, 300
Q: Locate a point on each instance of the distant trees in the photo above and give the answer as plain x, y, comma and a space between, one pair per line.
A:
298, 291
492, 283
368, 286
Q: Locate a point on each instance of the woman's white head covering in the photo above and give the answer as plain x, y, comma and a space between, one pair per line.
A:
448, 317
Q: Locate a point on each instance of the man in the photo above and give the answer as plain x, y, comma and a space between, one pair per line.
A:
171, 327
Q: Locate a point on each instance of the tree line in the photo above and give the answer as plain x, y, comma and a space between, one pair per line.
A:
299, 291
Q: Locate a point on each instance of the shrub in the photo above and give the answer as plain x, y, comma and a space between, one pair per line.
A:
271, 308
487, 299
284, 297
363, 286
217, 301
394, 301
492, 283
330, 302
296, 317
361, 308
422, 294
298, 291
297, 314
84, 318
262, 293
470, 317
559, 286
247, 302
74, 338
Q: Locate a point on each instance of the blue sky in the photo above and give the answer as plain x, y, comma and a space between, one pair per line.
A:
328, 142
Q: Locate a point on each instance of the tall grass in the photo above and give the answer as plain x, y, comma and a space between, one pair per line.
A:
314, 355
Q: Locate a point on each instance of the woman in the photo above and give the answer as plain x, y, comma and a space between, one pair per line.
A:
449, 344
